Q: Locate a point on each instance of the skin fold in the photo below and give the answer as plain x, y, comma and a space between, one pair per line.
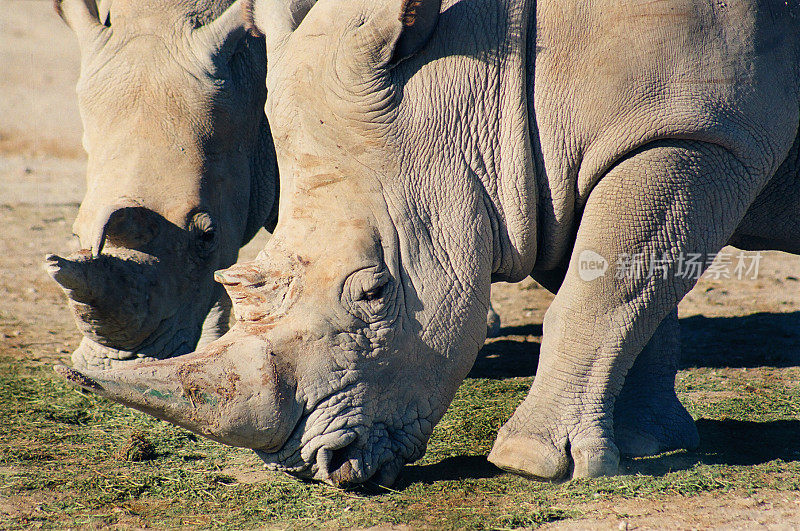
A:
428, 149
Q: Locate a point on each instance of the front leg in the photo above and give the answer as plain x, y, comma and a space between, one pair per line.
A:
648, 417
671, 199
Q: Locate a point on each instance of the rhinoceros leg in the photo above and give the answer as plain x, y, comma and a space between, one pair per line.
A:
672, 198
648, 417
492, 322
773, 220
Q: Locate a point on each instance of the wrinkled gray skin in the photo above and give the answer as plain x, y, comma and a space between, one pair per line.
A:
513, 138
181, 173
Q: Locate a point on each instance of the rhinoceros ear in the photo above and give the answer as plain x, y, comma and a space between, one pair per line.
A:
388, 31
221, 36
276, 19
413, 27
82, 16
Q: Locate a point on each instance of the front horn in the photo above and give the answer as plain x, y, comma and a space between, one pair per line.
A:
234, 391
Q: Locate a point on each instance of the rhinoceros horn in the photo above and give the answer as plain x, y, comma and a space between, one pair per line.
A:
132, 221
99, 229
233, 391
71, 276
113, 316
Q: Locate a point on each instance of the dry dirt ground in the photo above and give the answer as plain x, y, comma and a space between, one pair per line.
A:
726, 323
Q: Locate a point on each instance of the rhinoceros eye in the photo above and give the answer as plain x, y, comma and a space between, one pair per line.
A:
373, 294
366, 292
203, 231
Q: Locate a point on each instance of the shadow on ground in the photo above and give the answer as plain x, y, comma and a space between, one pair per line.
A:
729, 442
756, 340
761, 339
455, 468
515, 352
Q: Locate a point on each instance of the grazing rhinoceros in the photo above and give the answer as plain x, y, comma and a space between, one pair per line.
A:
181, 172
425, 155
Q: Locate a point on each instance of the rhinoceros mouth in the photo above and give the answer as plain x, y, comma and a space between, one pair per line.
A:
346, 462
367, 453
296, 459
300, 455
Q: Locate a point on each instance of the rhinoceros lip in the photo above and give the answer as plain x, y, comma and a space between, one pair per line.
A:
303, 470
290, 460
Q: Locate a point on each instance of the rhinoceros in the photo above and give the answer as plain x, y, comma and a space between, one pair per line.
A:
181, 173
427, 149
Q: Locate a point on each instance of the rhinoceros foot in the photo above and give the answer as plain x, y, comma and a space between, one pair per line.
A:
529, 457
652, 425
552, 440
534, 458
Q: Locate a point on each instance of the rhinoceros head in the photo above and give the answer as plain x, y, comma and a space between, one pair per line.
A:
359, 319
181, 172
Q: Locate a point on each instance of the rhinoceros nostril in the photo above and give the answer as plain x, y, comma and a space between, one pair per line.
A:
132, 227
341, 466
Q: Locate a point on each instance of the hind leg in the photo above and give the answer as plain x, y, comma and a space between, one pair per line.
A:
773, 220
648, 417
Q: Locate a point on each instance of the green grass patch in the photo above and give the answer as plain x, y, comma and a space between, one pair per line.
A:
63, 462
